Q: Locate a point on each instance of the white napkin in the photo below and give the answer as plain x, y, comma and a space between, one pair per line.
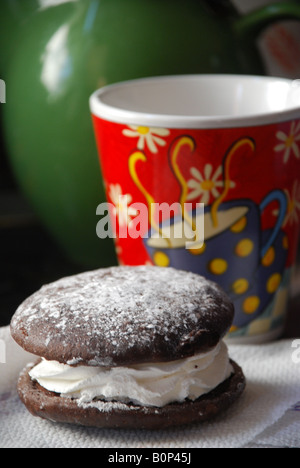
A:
267, 414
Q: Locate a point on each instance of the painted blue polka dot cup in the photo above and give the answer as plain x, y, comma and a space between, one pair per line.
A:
245, 261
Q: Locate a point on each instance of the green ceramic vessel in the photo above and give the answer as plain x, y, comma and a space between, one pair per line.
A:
57, 56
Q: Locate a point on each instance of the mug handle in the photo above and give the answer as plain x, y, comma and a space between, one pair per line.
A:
280, 196
255, 22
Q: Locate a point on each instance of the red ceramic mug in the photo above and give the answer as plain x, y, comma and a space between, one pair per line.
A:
202, 173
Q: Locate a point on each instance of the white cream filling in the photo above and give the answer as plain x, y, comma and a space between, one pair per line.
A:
150, 384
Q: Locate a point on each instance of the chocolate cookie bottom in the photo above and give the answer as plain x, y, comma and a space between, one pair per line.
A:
52, 406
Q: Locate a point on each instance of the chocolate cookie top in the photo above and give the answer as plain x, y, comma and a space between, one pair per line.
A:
123, 315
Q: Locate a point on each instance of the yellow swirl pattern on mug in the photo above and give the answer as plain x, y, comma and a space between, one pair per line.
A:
185, 140
134, 158
238, 144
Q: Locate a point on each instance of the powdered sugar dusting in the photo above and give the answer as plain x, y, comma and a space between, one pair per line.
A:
102, 316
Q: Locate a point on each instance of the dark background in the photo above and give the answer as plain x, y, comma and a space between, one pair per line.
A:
29, 257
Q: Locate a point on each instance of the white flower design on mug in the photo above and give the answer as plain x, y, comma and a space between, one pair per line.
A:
293, 207
147, 136
203, 186
288, 143
121, 203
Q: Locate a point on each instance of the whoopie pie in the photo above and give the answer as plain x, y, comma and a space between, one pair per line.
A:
128, 347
